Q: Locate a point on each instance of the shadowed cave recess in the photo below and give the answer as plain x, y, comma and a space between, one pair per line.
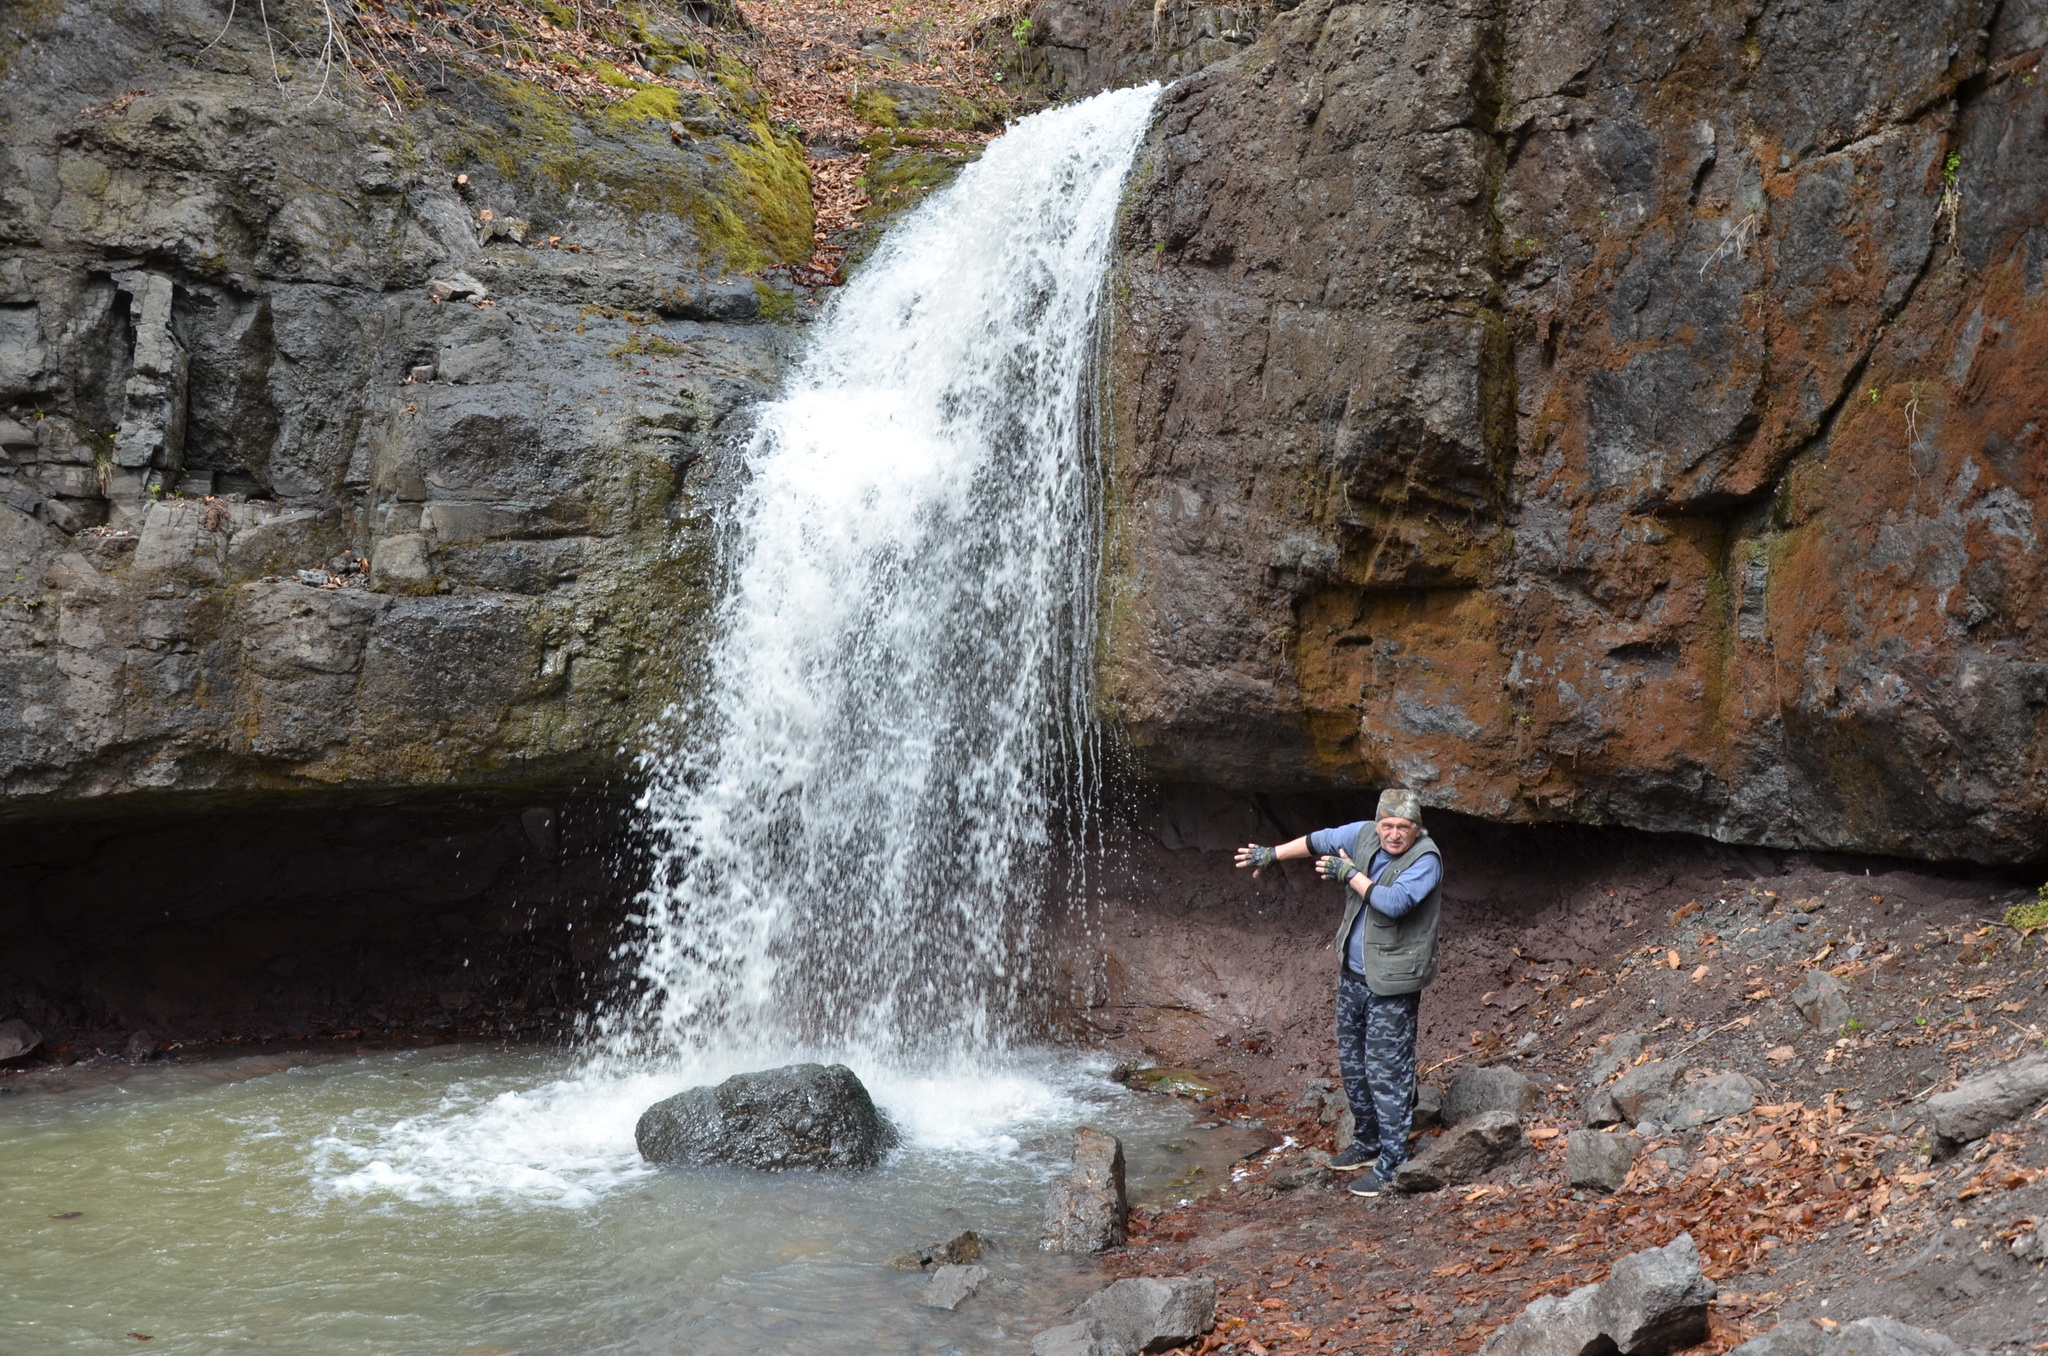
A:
435, 919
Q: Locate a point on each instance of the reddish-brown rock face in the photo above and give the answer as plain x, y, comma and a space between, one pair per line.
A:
1626, 413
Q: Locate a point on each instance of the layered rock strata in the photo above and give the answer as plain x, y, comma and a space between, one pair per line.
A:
1626, 414
347, 446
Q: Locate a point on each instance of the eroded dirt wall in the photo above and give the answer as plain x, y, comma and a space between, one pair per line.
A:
1185, 960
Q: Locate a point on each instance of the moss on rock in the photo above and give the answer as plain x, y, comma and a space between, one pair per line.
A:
741, 190
897, 104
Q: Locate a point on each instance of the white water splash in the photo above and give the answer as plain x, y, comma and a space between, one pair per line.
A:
494, 1139
855, 839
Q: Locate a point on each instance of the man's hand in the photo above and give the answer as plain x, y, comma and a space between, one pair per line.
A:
1256, 857
1339, 868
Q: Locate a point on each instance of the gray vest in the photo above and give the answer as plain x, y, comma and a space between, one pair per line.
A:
1400, 953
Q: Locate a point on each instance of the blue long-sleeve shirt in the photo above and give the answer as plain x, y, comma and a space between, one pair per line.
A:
1410, 888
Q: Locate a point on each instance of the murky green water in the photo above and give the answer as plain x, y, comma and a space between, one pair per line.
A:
462, 1201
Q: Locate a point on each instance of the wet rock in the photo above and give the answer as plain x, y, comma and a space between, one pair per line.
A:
1821, 1000
801, 1116
1654, 1301
1429, 1107
1087, 1210
1148, 1313
1169, 1082
951, 1286
18, 1039
1463, 1152
959, 1250
1597, 1161
1976, 1106
1072, 1339
1476, 1091
1715, 1097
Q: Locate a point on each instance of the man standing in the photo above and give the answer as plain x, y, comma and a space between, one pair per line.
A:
1388, 947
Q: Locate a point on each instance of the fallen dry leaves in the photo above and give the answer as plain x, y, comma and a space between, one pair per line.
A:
1754, 1186
810, 62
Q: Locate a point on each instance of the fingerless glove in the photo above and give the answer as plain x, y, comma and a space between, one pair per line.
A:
1336, 868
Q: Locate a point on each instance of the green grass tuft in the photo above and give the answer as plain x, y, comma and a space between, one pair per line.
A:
2029, 918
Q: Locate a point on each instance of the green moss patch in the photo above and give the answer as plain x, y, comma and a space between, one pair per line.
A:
899, 104
2029, 918
744, 192
1171, 1083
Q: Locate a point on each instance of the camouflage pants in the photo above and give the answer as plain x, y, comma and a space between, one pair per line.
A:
1376, 1052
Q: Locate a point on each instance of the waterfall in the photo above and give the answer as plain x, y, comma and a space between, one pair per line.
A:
854, 836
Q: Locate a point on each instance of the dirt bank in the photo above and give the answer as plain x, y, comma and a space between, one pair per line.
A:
1821, 1202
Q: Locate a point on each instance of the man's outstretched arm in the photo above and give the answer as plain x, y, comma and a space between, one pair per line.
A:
1258, 858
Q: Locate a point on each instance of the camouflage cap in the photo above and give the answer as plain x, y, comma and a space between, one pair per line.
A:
1400, 803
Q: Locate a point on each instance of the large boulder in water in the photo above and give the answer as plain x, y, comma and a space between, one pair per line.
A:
800, 1116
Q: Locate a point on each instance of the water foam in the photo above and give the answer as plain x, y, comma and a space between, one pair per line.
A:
569, 1142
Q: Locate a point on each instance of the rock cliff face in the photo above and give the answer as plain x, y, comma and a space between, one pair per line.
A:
346, 447
1624, 413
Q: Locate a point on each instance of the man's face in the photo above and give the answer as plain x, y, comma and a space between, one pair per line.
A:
1397, 835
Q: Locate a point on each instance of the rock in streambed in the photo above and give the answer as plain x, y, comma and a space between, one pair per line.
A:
1088, 1210
815, 1116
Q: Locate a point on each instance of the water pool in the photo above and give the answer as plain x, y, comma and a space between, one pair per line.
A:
489, 1202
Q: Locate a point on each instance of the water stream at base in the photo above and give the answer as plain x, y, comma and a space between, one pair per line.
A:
858, 833
456, 1202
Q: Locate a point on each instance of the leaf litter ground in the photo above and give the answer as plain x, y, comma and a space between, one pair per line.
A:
1822, 1203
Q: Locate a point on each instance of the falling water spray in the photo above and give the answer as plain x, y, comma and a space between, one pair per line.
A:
854, 835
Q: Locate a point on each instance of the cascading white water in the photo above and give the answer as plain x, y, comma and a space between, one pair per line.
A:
894, 721
853, 842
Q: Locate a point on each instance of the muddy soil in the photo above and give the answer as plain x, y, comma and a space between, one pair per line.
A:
1827, 1202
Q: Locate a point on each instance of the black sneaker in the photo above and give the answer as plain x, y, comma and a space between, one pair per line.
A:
1368, 1186
1353, 1158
